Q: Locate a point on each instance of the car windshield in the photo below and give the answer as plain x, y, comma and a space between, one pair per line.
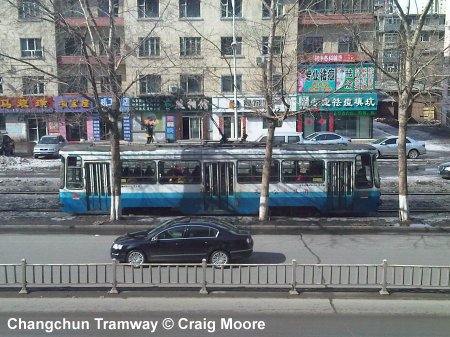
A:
48, 140
378, 141
312, 135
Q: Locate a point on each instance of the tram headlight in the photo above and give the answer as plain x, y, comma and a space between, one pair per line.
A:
117, 246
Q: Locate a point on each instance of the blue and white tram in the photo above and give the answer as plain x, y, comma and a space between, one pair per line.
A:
217, 178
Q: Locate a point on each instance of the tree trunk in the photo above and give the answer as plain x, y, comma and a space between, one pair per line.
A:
264, 198
402, 163
116, 167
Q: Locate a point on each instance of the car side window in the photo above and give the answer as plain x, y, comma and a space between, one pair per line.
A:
201, 232
321, 137
332, 137
172, 233
391, 141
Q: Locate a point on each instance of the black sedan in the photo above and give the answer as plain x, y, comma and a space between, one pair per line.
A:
184, 240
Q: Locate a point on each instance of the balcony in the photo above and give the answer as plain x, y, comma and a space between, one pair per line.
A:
336, 19
79, 59
99, 21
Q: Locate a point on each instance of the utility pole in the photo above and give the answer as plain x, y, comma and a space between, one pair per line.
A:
234, 47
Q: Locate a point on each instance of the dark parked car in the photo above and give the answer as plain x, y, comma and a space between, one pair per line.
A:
7, 146
184, 240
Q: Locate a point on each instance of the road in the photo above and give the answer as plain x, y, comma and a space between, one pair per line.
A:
414, 248
218, 316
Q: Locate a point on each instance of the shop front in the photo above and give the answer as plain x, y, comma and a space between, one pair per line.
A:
27, 118
250, 111
337, 97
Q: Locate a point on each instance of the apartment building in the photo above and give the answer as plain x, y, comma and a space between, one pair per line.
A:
174, 60
428, 87
336, 79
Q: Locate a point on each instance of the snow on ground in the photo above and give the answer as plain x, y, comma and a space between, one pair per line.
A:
27, 164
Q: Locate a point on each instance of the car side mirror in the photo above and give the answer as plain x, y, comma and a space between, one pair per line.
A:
155, 239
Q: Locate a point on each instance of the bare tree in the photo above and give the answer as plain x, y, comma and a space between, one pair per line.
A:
413, 79
101, 60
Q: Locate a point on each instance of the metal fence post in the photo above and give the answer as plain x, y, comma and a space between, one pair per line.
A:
203, 290
24, 277
293, 290
384, 267
114, 278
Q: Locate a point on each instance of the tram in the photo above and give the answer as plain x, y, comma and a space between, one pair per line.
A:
215, 178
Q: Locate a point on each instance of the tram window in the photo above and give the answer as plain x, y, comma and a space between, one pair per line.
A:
376, 173
74, 177
363, 177
179, 172
138, 171
250, 171
302, 171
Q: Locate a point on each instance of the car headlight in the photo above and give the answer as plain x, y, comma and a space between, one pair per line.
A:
117, 246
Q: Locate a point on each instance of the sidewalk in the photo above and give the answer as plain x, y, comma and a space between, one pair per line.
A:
100, 224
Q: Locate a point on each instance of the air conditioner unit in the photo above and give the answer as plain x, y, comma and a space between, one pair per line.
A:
173, 89
260, 60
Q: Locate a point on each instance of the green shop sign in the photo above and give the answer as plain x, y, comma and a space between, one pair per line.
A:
338, 102
336, 78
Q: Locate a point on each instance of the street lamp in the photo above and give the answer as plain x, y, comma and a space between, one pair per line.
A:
234, 47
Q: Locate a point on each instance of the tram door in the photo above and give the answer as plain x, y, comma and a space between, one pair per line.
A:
218, 186
98, 186
339, 185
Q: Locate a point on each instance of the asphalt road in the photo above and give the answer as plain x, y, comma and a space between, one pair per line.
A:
413, 248
231, 317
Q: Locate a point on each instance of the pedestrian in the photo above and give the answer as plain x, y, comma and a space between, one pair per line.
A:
149, 124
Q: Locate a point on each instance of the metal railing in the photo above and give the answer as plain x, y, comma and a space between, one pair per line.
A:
290, 276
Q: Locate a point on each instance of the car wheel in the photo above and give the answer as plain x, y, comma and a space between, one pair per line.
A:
413, 154
219, 257
136, 257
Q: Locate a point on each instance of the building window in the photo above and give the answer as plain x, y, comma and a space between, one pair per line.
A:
149, 46
189, 8
103, 8
1, 85
391, 38
277, 46
227, 8
2, 123
227, 83
313, 44
190, 46
266, 4
33, 85
226, 45
71, 47
73, 84
105, 84
425, 37
277, 84
150, 84
391, 67
347, 45
31, 48
115, 47
148, 8
191, 84
29, 9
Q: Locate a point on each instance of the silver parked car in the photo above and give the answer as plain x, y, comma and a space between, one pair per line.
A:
444, 170
49, 146
325, 137
388, 147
